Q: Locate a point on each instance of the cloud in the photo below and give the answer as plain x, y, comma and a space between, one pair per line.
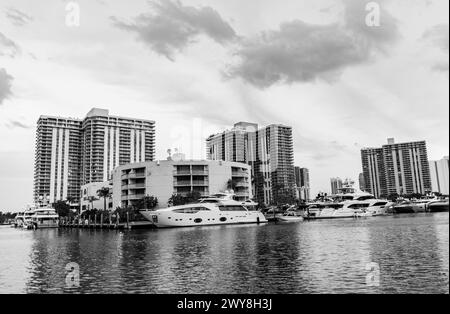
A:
303, 52
17, 124
173, 26
17, 17
438, 37
5, 85
8, 47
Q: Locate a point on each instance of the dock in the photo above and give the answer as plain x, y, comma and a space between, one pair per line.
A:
94, 224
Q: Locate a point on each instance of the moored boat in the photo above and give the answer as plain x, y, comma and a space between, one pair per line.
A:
215, 210
438, 206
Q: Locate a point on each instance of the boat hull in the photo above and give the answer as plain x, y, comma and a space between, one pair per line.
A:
179, 220
438, 207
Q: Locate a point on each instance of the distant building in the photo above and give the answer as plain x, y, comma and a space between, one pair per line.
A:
439, 171
396, 169
336, 185
302, 183
162, 179
362, 182
269, 152
73, 152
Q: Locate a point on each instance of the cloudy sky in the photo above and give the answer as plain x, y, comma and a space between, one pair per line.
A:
198, 66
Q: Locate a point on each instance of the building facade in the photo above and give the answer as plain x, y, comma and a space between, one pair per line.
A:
269, 152
302, 183
362, 182
110, 141
439, 171
73, 152
336, 185
400, 169
374, 172
57, 174
163, 179
90, 198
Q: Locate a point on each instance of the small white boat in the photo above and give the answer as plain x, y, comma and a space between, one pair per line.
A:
375, 208
290, 216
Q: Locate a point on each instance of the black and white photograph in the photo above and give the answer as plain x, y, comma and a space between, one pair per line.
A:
224, 153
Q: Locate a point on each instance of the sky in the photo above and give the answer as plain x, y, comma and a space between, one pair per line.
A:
342, 75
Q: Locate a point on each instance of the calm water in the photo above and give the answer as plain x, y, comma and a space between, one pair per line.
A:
308, 257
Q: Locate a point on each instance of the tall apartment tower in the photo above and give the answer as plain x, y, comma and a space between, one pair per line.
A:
302, 183
374, 172
110, 141
57, 174
396, 169
72, 152
268, 150
407, 169
440, 179
336, 185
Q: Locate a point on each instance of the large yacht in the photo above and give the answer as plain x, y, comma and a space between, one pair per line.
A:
346, 209
219, 209
38, 218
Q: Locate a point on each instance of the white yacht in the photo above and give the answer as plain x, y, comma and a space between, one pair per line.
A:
347, 209
219, 209
376, 208
40, 218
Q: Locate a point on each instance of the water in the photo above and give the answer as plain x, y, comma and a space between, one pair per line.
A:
309, 257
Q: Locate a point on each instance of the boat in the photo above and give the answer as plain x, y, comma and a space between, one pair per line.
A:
219, 209
347, 209
290, 216
406, 207
438, 206
19, 220
41, 218
376, 208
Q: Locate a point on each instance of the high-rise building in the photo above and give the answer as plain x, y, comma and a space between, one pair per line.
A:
396, 169
439, 171
269, 151
72, 152
362, 182
302, 183
57, 174
336, 185
374, 173
407, 169
110, 141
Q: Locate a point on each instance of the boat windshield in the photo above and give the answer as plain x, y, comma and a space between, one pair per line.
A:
232, 208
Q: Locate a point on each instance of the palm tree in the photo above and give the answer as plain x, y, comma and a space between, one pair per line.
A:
104, 193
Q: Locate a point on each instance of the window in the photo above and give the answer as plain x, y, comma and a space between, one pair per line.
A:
232, 208
380, 204
190, 210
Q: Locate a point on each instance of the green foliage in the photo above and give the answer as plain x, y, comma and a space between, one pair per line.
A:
148, 202
62, 208
179, 199
4, 217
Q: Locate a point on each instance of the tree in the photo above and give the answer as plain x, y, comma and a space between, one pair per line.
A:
104, 193
62, 208
148, 202
178, 199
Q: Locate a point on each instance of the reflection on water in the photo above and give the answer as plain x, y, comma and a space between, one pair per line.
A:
308, 257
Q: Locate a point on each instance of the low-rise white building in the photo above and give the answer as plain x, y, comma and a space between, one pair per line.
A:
91, 200
162, 179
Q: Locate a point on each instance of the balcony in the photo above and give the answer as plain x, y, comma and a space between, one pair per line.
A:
133, 197
133, 186
135, 175
239, 174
